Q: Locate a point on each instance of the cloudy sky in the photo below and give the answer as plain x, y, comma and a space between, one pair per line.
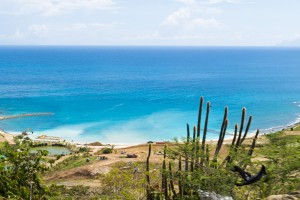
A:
150, 22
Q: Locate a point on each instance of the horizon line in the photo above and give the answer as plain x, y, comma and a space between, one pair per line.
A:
189, 46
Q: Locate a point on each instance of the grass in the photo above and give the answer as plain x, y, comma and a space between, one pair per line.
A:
73, 162
297, 128
281, 155
283, 162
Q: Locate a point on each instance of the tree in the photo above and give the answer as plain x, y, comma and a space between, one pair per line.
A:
21, 172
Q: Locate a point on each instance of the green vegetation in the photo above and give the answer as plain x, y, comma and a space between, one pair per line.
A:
21, 173
203, 169
187, 167
73, 162
297, 128
124, 181
282, 156
106, 150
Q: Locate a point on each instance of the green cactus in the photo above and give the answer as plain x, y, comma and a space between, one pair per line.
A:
164, 175
205, 130
199, 130
149, 197
235, 134
188, 142
221, 139
247, 129
238, 143
253, 144
172, 187
223, 124
190, 152
193, 149
199, 117
180, 184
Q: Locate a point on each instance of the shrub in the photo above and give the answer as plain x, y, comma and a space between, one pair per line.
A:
107, 150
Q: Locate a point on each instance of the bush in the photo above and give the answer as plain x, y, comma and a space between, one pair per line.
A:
107, 150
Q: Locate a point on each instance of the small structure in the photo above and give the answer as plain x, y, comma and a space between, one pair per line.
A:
102, 158
24, 133
123, 152
132, 156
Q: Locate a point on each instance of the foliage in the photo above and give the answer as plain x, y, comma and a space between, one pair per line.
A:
203, 169
74, 192
72, 162
283, 161
107, 150
297, 128
124, 182
21, 172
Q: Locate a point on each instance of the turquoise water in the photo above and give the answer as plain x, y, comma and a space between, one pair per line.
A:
53, 150
136, 94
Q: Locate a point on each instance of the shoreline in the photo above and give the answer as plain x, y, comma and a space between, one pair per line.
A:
9, 137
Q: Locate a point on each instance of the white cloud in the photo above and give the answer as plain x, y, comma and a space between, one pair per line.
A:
177, 17
187, 1
54, 7
222, 1
183, 18
293, 40
38, 30
17, 35
204, 23
92, 26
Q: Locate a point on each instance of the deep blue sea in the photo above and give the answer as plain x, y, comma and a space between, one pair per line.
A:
136, 94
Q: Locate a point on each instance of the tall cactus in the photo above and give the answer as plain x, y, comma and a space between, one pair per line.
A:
241, 127
193, 149
199, 130
221, 139
199, 117
164, 176
187, 146
253, 144
190, 152
222, 132
247, 129
205, 130
180, 183
235, 134
223, 124
172, 187
149, 197
228, 157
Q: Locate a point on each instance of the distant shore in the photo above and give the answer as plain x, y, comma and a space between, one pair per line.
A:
5, 136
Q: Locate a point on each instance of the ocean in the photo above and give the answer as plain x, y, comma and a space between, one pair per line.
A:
137, 94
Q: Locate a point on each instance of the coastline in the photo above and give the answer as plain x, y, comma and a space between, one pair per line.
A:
9, 137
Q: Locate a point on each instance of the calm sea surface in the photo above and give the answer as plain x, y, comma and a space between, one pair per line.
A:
136, 94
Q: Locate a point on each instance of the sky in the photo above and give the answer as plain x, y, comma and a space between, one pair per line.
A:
150, 22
